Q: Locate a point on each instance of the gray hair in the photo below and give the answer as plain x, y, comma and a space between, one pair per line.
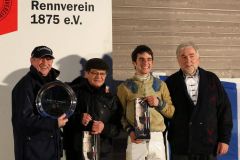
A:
185, 45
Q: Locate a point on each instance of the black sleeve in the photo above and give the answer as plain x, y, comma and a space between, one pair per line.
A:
113, 127
25, 114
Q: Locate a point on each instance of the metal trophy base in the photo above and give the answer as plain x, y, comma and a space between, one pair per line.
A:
142, 119
91, 146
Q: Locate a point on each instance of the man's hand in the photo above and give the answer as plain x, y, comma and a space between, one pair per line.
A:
133, 138
222, 148
62, 120
86, 119
97, 127
152, 101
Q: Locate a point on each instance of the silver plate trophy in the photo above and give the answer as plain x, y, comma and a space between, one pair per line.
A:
56, 98
91, 146
142, 119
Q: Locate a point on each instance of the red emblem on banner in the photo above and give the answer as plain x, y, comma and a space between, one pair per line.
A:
8, 16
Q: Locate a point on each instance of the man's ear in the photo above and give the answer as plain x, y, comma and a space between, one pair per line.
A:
85, 74
134, 64
31, 60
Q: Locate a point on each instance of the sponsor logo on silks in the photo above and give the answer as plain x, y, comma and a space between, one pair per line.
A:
8, 16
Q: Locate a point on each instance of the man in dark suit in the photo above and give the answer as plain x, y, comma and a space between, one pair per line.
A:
201, 126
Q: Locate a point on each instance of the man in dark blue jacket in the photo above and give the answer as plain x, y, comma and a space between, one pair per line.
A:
35, 137
97, 111
201, 126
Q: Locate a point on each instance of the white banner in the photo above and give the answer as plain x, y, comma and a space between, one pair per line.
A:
75, 30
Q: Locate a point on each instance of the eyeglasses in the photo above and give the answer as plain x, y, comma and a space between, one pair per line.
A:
95, 73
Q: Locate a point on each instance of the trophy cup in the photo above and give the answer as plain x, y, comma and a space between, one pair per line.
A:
142, 119
91, 146
54, 99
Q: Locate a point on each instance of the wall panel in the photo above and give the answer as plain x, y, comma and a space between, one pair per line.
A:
162, 24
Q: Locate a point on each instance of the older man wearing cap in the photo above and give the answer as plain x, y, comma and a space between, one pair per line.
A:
35, 137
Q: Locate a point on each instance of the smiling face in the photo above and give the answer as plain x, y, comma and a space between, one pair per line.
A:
188, 60
143, 64
96, 77
43, 65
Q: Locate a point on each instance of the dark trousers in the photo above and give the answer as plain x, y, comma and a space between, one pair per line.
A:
73, 155
192, 157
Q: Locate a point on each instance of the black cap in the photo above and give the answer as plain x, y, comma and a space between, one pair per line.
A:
96, 63
42, 51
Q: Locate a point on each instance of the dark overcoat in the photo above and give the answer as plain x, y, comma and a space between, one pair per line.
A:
35, 137
197, 129
101, 106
